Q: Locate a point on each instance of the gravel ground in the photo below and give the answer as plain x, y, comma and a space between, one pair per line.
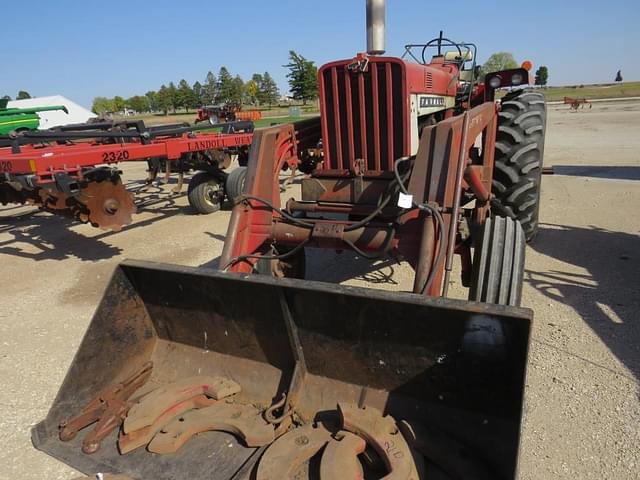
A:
582, 414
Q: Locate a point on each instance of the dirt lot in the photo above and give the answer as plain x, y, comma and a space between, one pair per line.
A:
583, 282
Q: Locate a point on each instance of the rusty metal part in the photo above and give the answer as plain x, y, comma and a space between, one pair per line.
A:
153, 405
52, 200
110, 205
108, 409
287, 454
371, 238
344, 208
453, 230
243, 421
178, 187
446, 452
383, 435
269, 413
139, 438
340, 457
296, 385
363, 191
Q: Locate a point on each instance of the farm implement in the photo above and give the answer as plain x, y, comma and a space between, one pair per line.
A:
22, 119
72, 170
576, 103
252, 372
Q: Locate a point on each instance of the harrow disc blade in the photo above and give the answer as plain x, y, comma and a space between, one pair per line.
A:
110, 205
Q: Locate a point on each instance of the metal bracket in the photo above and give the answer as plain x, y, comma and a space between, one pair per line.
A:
359, 64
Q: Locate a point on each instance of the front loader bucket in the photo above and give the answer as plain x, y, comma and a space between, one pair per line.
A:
453, 367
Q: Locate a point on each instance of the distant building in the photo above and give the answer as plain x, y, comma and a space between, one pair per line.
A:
77, 113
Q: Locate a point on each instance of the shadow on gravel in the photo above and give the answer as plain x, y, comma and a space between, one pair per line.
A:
44, 236
48, 237
328, 266
609, 172
607, 296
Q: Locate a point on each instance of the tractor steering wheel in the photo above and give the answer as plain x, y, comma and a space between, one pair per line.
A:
439, 40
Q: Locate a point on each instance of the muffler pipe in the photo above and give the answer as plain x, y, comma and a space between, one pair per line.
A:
375, 27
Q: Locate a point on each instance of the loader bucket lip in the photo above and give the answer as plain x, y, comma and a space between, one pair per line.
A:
312, 285
158, 312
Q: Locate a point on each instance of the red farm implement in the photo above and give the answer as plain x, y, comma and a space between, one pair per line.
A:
228, 112
72, 170
576, 103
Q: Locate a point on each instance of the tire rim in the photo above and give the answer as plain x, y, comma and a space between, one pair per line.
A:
212, 194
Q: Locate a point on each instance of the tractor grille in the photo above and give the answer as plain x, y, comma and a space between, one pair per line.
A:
428, 80
364, 116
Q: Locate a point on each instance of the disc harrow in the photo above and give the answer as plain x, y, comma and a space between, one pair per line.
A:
70, 171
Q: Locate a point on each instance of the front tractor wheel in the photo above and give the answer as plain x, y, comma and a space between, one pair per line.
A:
518, 157
498, 262
205, 193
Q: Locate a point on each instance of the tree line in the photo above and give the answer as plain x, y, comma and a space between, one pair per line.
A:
221, 89
22, 95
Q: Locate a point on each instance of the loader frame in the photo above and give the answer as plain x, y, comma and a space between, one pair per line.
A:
442, 174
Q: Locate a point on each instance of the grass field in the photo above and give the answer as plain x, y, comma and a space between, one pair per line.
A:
611, 90
268, 117
277, 115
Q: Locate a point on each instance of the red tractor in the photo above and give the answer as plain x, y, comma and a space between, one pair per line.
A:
417, 160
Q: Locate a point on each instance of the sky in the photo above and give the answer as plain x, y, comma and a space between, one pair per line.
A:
84, 49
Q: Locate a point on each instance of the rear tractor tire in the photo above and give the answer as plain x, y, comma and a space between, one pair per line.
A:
518, 157
205, 193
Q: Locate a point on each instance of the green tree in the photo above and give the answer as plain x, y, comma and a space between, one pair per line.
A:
138, 103
6, 97
209, 89
102, 105
303, 77
152, 99
22, 95
237, 90
251, 92
498, 61
269, 89
186, 97
173, 96
542, 75
118, 104
164, 99
197, 93
225, 86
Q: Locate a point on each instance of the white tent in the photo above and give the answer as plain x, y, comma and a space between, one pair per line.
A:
77, 113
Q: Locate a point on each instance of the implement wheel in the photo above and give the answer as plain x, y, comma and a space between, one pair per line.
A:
234, 185
498, 263
518, 157
205, 193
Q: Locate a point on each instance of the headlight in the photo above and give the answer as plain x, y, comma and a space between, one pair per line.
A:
516, 78
495, 82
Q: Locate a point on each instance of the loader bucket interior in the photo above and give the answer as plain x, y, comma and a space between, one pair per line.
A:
415, 358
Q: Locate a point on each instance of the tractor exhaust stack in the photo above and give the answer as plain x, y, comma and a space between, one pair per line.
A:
375, 27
